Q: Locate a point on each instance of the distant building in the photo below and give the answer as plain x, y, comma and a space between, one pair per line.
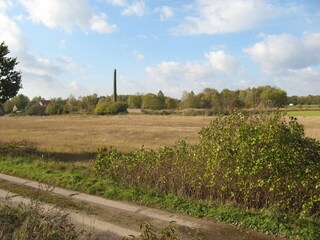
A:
44, 102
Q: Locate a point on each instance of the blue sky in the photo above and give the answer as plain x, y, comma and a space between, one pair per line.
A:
70, 47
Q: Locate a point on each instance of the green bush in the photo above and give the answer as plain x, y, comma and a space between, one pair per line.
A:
253, 161
111, 108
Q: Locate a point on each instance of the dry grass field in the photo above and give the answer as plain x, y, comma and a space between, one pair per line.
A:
88, 133
78, 134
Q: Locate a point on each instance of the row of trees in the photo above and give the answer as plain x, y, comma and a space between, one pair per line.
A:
304, 100
218, 102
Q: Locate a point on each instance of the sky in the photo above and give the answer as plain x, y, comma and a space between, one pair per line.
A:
71, 47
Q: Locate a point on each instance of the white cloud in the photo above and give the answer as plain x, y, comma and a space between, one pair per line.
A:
99, 24
67, 15
282, 52
165, 12
301, 82
216, 63
138, 55
40, 76
221, 16
224, 63
137, 8
117, 2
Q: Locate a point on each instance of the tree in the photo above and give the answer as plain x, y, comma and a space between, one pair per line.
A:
72, 105
34, 107
21, 101
151, 101
7, 107
171, 103
189, 100
88, 103
10, 80
162, 99
135, 101
55, 107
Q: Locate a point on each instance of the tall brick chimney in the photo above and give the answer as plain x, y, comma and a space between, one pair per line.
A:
115, 86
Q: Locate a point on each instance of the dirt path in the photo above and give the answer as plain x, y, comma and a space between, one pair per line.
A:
122, 219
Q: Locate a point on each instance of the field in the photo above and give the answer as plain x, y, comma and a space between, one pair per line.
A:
79, 134
304, 113
183, 189
72, 134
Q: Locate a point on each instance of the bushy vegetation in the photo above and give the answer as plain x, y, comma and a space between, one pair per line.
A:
253, 161
78, 176
111, 108
32, 222
149, 232
211, 100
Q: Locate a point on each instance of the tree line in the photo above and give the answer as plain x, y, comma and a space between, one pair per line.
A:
225, 101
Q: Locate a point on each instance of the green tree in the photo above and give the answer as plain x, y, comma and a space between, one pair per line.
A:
55, 107
230, 100
135, 101
171, 103
7, 107
273, 97
151, 101
72, 105
21, 101
161, 99
10, 80
189, 100
88, 103
34, 107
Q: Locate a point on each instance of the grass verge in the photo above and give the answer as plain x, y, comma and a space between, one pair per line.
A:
77, 177
305, 113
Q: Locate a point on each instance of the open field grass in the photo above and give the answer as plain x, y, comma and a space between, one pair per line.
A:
79, 134
76, 134
304, 113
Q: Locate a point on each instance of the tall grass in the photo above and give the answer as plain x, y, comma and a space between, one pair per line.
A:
32, 222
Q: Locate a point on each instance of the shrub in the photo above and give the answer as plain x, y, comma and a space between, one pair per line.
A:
111, 108
254, 161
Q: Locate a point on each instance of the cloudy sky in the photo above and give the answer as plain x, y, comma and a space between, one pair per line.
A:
72, 46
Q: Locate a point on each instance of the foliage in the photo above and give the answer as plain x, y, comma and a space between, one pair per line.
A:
305, 100
72, 105
33, 222
171, 103
152, 101
88, 103
34, 107
148, 232
135, 101
21, 101
74, 176
7, 107
254, 161
10, 79
189, 100
55, 107
111, 108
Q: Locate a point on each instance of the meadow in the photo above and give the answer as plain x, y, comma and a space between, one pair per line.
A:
81, 134
88, 133
172, 177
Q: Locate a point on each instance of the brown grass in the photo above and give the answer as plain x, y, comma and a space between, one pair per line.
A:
78, 134
87, 133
